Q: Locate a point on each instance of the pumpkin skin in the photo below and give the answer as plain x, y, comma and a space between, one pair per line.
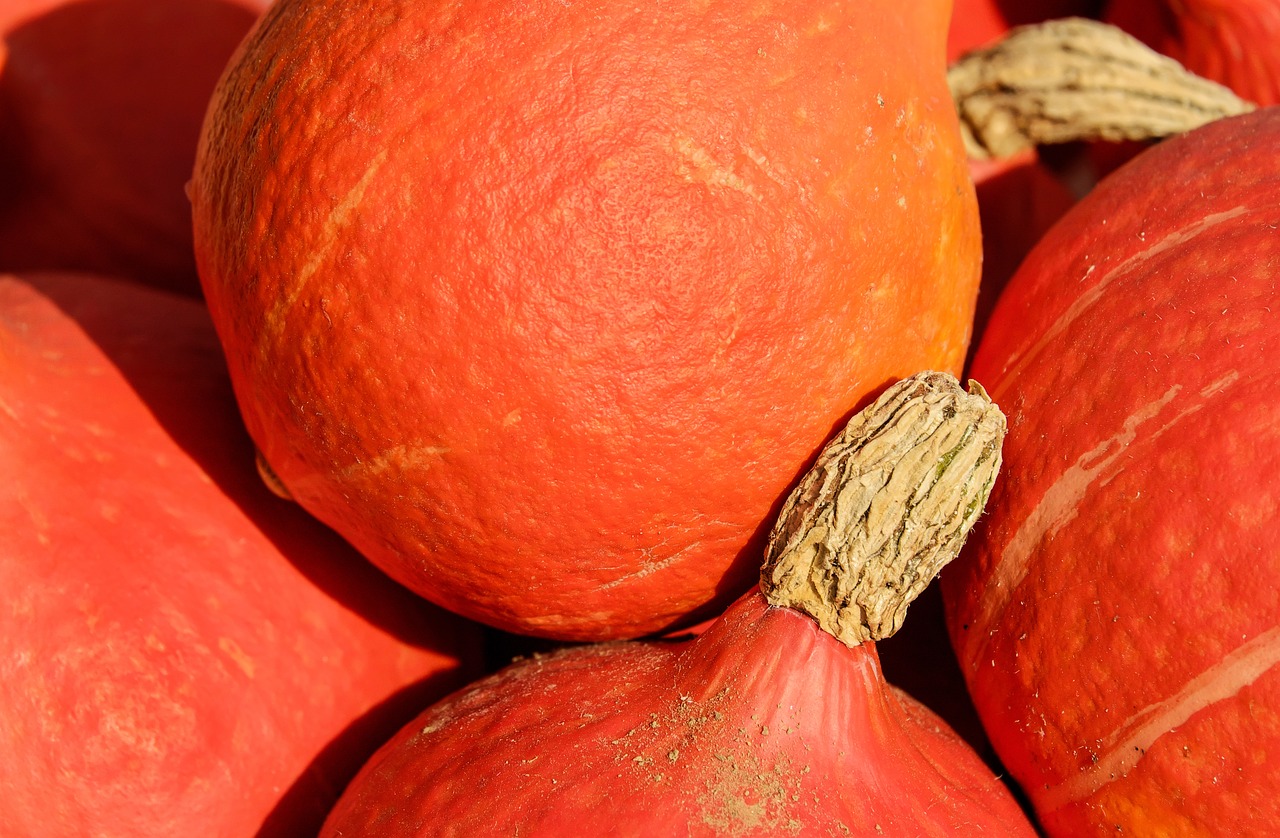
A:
762, 725
566, 296
100, 109
1116, 613
181, 652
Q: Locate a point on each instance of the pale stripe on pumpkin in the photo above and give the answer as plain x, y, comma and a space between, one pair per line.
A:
1129, 743
1060, 502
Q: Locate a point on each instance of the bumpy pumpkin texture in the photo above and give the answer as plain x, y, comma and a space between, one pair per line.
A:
181, 653
1118, 619
544, 306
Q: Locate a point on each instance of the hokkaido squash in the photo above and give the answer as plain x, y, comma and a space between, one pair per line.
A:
1117, 613
181, 652
774, 721
100, 110
544, 306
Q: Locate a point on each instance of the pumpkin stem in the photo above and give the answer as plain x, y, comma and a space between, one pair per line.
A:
269, 477
889, 501
1077, 79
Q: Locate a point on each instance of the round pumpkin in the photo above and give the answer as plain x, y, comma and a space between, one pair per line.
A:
181, 652
544, 306
1117, 616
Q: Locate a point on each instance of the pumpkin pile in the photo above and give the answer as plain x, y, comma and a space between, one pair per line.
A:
536, 418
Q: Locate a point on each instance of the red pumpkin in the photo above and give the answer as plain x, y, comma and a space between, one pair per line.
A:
544, 305
766, 724
763, 725
100, 107
1117, 617
181, 652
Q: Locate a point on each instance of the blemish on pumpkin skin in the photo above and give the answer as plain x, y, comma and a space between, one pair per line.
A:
339, 217
821, 26
1135, 736
401, 457
697, 164
648, 569
238, 656
39, 521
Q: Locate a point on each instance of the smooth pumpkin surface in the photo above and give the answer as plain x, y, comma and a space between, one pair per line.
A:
100, 108
544, 306
1117, 613
764, 725
181, 652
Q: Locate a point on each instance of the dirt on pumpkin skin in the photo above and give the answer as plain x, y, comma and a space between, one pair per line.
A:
741, 784
735, 775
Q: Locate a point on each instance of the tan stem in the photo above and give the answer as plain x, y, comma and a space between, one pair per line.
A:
269, 476
1077, 79
889, 501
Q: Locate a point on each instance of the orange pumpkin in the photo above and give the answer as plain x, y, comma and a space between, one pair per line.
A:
544, 306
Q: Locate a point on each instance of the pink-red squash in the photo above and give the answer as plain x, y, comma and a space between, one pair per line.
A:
766, 724
100, 108
1117, 615
181, 653
544, 306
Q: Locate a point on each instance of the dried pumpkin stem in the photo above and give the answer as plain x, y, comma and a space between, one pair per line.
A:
1077, 79
887, 504
269, 477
